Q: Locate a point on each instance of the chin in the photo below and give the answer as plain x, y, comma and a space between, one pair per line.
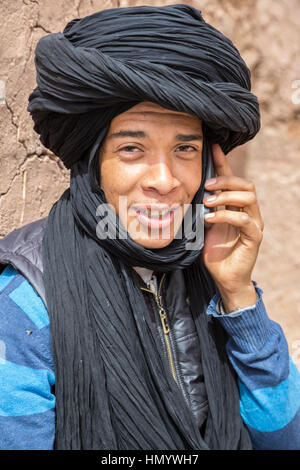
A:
153, 244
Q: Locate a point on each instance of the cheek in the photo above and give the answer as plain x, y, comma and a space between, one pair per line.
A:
192, 180
117, 180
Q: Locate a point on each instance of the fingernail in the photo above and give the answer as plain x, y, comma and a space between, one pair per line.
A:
211, 198
211, 181
209, 215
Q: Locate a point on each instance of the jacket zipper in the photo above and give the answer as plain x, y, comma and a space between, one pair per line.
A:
164, 320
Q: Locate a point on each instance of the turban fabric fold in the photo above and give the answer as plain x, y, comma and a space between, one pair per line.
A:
113, 390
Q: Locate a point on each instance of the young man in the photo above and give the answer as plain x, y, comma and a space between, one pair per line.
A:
123, 324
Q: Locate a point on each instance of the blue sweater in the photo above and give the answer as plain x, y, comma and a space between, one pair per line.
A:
269, 382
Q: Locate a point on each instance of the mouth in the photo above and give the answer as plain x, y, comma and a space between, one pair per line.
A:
155, 217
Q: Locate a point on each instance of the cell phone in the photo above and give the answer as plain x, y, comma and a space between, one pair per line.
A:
210, 173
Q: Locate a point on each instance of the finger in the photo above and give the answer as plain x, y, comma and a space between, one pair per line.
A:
233, 183
220, 161
222, 166
249, 229
239, 199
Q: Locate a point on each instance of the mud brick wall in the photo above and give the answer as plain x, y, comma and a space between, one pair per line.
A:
267, 33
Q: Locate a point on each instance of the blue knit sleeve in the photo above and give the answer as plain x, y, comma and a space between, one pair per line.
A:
268, 379
27, 402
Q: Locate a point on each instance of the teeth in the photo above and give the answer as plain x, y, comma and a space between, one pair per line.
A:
156, 213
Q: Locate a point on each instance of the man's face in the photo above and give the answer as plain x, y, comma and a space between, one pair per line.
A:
153, 157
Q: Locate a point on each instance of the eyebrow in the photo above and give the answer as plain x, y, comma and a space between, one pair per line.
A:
188, 137
128, 134
139, 134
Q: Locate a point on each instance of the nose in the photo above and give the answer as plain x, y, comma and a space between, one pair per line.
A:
160, 178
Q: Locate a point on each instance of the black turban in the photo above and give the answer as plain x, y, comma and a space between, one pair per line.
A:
113, 389
167, 55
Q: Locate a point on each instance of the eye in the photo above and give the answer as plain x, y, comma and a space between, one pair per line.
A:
185, 148
130, 153
130, 148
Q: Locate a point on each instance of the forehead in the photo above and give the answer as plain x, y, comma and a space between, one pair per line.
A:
147, 114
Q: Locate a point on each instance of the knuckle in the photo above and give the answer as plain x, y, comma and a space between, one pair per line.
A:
250, 185
222, 213
252, 198
260, 237
259, 232
246, 219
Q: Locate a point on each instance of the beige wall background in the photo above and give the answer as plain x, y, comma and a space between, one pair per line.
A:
267, 33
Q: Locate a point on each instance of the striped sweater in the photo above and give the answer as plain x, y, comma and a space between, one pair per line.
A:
269, 382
